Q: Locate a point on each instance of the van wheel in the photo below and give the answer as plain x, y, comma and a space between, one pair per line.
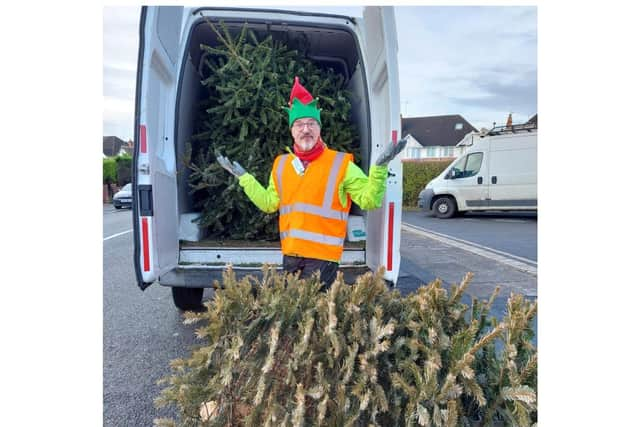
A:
444, 207
188, 298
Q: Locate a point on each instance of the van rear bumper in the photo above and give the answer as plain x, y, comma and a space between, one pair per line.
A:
424, 199
199, 277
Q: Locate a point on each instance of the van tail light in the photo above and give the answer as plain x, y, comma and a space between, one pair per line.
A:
390, 238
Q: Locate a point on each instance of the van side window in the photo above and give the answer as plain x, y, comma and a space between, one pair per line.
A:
474, 161
467, 166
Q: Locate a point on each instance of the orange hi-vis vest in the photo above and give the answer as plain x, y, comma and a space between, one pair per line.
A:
313, 223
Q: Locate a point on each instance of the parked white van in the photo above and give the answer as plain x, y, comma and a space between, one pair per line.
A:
167, 248
498, 171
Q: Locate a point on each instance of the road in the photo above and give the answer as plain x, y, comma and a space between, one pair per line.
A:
143, 332
510, 232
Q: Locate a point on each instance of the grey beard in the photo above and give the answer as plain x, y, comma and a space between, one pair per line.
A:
306, 146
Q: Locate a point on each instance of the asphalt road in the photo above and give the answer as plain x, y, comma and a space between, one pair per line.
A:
143, 331
511, 232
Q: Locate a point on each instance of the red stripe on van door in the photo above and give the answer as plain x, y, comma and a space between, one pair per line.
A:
145, 243
394, 136
143, 139
390, 241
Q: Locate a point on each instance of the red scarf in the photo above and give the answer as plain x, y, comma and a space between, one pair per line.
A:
311, 155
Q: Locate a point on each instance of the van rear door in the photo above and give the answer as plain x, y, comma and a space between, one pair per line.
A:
155, 211
381, 57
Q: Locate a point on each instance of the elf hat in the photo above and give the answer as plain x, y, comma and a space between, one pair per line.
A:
302, 104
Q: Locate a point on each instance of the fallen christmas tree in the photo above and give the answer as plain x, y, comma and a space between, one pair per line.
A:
279, 352
248, 83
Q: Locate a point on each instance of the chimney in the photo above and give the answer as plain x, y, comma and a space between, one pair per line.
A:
509, 121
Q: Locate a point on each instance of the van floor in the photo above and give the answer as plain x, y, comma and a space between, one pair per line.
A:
207, 243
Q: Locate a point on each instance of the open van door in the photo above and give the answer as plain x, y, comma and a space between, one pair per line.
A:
155, 215
381, 58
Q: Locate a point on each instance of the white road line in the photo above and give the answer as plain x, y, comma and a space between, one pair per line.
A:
509, 220
492, 254
116, 235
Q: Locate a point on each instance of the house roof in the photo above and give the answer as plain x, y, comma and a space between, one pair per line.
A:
111, 145
533, 119
436, 130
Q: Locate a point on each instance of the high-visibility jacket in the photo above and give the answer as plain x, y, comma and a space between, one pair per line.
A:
313, 222
314, 206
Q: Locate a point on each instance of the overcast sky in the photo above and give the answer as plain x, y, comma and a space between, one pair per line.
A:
479, 62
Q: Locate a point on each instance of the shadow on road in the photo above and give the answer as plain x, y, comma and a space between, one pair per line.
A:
501, 215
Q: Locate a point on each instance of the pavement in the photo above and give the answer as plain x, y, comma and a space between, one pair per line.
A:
425, 258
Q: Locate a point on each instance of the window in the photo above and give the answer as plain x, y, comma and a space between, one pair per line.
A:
458, 126
467, 166
474, 161
431, 151
447, 151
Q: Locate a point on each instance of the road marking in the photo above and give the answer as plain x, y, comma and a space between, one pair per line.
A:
509, 220
116, 235
510, 260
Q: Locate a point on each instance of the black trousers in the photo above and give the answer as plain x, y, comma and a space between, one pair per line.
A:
307, 266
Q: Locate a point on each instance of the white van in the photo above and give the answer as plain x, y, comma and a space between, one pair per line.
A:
498, 171
167, 249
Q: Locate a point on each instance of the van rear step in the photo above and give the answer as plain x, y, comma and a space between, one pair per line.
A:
250, 256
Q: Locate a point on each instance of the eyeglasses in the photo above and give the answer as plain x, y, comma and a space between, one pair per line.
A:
300, 125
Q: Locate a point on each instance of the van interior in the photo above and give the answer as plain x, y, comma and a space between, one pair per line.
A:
327, 47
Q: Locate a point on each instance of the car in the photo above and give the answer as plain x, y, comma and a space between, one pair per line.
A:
123, 197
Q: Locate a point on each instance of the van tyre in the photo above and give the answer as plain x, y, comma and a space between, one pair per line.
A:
444, 207
188, 298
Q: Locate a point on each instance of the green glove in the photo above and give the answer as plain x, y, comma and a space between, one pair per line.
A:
390, 152
234, 167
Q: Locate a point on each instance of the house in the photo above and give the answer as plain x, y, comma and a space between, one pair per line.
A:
127, 148
533, 120
111, 145
114, 146
434, 137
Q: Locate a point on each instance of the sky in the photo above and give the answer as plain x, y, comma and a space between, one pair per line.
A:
476, 61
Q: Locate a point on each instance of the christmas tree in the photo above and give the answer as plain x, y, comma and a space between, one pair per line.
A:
248, 82
278, 351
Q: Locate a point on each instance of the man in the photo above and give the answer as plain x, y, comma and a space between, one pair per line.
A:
313, 188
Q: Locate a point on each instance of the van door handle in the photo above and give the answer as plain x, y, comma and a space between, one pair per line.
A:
479, 180
494, 179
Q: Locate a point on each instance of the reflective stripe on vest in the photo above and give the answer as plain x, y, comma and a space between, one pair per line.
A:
283, 160
315, 210
324, 210
313, 237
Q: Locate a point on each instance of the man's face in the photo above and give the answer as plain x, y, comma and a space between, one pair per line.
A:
305, 132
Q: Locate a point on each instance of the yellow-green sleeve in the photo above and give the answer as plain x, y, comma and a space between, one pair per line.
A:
267, 200
366, 191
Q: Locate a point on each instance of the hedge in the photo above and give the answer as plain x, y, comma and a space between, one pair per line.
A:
124, 165
416, 174
108, 170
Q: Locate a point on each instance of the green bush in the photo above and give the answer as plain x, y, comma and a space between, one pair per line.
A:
278, 351
124, 168
108, 170
415, 175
